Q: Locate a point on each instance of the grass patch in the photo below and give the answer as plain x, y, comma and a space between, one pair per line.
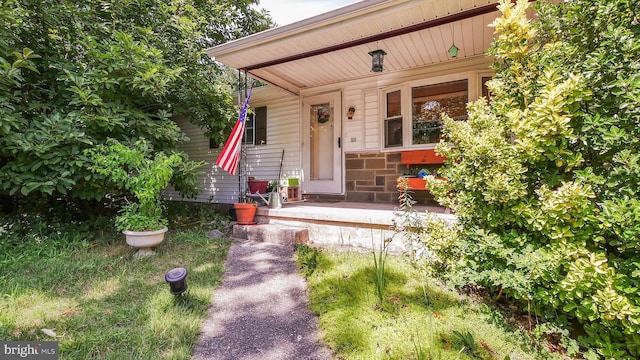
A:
417, 320
98, 301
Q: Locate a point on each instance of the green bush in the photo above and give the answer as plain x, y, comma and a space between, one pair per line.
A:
74, 74
544, 177
134, 168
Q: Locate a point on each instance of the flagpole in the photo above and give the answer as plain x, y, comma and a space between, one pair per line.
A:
243, 163
243, 151
240, 102
231, 154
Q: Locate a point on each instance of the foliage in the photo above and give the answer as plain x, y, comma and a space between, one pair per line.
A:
466, 339
419, 320
544, 178
433, 244
379, 270
407, 221
94, 297
272, 186
75, 73
132, 169
198, 216
307, 258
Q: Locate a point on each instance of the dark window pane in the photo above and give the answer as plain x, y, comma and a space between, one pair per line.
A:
393, 104
430, 101
261, 126
249, 129
393, 132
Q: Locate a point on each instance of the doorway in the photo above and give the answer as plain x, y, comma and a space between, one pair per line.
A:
322, 147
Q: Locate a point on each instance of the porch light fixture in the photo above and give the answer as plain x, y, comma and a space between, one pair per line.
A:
177, 279
377, 57
453, 50
350, 112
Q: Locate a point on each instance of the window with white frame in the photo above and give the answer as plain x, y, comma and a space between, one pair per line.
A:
426, 103
393, 120
429, 102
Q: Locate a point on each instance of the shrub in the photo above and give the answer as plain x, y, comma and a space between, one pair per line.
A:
544, 178
137, 169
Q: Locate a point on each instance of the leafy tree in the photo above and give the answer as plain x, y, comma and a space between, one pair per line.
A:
544, 178
76, 73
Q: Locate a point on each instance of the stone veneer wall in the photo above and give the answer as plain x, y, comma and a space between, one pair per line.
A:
371, 177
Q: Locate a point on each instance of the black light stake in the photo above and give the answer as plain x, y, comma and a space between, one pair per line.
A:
177, 279
377, 58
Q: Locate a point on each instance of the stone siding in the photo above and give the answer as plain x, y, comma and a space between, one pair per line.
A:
371, 177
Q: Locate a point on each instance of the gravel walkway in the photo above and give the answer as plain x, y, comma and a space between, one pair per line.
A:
260, 310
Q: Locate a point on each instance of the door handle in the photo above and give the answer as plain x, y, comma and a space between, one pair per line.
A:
339, 142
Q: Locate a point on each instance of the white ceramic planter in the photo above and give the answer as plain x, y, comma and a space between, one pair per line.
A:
145, 239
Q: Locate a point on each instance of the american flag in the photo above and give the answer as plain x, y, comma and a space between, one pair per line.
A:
229, 158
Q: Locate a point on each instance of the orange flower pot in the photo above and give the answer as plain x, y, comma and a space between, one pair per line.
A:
245, 213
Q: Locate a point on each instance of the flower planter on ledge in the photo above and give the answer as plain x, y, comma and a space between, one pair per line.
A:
417, 183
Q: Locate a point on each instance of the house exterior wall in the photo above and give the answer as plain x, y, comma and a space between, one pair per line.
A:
369, 170
261, 161
371, 177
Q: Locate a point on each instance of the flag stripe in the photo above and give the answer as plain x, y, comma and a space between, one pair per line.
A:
229, 158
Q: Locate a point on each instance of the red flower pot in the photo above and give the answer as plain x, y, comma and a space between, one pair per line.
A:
258, 187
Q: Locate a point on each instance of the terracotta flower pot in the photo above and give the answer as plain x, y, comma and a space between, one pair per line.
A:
245, 213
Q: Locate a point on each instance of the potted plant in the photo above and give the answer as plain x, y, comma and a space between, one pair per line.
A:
245, 212
257, 186
136, 171
272, 186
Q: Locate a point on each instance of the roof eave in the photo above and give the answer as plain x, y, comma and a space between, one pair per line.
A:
309, 24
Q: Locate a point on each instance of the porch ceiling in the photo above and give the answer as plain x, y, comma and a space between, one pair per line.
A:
334, 46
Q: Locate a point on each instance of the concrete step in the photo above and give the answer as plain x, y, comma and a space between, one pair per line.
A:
272, 233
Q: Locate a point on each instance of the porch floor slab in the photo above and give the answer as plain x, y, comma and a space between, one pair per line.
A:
340, 224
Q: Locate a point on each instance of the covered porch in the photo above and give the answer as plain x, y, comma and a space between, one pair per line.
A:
331, 121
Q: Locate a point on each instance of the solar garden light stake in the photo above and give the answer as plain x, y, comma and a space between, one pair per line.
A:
177, 279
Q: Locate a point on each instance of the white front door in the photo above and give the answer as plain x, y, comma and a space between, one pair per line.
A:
322, 148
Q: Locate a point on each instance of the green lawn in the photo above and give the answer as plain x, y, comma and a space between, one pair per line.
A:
83, 288
416, 320
98, 301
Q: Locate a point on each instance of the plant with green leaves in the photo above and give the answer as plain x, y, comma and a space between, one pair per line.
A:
466, 339
544, 178
133, 169
408, 222
307, 258
431, 243
379, 269
75, 73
